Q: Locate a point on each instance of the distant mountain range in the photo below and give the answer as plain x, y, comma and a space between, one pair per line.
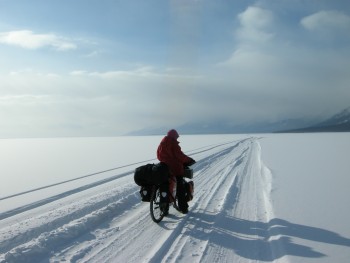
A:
340, 122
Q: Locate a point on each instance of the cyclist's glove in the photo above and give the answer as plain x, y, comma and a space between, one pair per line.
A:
191, 162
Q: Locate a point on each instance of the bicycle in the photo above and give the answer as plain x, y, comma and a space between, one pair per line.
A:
156, 211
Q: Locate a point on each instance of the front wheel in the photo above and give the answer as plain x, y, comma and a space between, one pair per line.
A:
156, 212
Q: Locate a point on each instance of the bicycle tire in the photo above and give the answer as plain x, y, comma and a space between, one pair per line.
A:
157, 214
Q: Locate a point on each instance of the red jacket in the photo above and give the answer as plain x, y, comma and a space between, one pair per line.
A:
169, 152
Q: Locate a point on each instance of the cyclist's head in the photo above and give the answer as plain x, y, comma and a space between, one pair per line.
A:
173, 134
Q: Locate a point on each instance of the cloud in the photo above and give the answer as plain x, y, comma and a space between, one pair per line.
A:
251, 55
278, 74
137, 97
255, 23
326, 21
29, 40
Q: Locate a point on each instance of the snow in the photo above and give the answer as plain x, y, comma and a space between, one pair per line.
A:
258, 198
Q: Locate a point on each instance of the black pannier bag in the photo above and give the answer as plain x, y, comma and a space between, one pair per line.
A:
145, 193
148, 175
151, 174
188, 172
143, 174
189, 189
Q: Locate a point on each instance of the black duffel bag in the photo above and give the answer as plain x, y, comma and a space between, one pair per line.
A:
148, 175
151, 174
143, 174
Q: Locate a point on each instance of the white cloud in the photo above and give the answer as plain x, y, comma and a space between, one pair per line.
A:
326, 20
139, 72
93, 54
255, 23
268, 71
142, 72
29, 40
78, 73
136, 98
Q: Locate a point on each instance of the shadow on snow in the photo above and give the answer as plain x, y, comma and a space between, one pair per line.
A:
261, 241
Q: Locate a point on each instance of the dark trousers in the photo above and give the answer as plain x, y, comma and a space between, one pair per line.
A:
180, 192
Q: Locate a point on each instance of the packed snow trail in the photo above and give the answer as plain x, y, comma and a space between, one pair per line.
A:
227, 222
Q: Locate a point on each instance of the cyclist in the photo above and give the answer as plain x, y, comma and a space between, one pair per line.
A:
170, 153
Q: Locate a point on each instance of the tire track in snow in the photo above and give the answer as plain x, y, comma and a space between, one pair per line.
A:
85, 187
214, 182
51, 199
54, 221
64, 225
237, 192
116, 237
121, 245
111, 223
239, 232
119, 248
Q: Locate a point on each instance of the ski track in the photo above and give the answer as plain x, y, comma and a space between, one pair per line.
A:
231, 203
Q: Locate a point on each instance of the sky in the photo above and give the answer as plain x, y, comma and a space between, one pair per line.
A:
108, 67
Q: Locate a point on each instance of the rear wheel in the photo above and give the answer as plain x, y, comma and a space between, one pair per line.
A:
156, 212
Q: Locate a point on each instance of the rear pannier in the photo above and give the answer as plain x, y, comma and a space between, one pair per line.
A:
148, 175
189, 189
145, 193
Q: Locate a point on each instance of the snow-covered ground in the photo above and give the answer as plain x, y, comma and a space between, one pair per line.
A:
258, 198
